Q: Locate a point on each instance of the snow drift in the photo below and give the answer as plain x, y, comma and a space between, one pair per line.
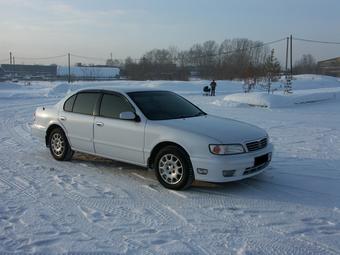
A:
263, 99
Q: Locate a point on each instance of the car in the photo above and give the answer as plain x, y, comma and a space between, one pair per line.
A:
155, 129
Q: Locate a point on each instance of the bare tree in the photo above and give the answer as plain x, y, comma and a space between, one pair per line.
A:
236, 58
305, 65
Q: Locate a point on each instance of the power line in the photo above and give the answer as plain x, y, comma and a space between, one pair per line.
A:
4, 60
41, 58
315, 41
260, 45
86, 57
102, 59
273, 42
200, 56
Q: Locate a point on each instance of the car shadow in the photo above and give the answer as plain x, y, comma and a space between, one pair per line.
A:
284, 180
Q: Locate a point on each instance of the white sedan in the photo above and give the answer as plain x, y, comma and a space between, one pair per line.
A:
155, 129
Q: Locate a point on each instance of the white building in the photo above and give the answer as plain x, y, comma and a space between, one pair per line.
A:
89, 72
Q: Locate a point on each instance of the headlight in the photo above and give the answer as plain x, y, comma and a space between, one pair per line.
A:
226, 149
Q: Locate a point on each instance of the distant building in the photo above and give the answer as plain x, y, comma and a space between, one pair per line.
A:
52, 72
330, 67
89, 72
2, 74
30, 71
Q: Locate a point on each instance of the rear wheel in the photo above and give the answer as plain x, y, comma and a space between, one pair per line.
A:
59, 146
173, 168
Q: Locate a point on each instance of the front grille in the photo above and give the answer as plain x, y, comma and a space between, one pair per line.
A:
257, 145
251, 170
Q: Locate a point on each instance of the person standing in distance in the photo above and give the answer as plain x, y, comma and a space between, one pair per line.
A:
213, 85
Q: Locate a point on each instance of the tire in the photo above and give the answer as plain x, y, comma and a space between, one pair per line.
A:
173, 168
59, 146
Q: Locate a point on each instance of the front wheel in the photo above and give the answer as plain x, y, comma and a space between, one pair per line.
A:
59, 146
173, 168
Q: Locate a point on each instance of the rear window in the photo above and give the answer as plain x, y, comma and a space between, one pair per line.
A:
113, 105
68, 106
85, 103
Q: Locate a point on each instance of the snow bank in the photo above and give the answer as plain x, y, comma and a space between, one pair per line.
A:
60, 90
9, 86
181, 87
17, 90
311, 81
306, 88
263, 99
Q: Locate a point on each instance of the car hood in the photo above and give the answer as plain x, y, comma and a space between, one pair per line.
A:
226, 131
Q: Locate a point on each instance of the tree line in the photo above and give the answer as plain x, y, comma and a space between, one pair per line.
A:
232, 59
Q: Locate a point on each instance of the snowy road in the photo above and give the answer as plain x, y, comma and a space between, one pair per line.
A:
93, 204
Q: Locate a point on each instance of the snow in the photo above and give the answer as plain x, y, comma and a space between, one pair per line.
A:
9, 86
91, 204
264, 99
312, 81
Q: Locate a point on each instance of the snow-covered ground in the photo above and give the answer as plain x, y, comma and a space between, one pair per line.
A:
97, 205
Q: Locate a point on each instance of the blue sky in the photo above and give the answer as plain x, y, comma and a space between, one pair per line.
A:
129, 28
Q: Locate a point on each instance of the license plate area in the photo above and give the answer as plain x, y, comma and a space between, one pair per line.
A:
261, 160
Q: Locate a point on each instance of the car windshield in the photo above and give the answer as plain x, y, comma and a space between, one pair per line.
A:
164, 105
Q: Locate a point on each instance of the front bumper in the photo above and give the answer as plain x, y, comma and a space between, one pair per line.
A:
240, 165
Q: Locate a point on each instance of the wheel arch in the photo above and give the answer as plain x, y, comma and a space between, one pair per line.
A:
49, 130
162, 145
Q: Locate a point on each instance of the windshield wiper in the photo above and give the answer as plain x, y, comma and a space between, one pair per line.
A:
191, 116
200, 114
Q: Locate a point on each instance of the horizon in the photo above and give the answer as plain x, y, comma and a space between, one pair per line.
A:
40, 28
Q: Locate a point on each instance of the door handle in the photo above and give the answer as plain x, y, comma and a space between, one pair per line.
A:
99, 124
62, 118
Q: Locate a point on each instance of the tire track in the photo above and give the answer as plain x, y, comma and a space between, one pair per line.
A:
275, 230
59, 216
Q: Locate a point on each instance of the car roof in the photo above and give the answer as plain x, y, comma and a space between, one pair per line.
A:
115, 89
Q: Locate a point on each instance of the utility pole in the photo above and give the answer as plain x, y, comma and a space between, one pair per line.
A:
289, 78
69, 68
291, 56
14, 66
10, 62
287, 49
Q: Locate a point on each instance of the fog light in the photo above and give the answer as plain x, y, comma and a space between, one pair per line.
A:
228, 173
202, 171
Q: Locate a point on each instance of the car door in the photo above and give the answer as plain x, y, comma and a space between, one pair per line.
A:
116, 138
78, 118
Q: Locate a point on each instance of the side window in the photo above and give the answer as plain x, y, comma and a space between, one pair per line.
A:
85, 103
69, 104
113, 105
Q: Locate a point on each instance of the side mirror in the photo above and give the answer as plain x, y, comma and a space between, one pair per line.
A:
129, 116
